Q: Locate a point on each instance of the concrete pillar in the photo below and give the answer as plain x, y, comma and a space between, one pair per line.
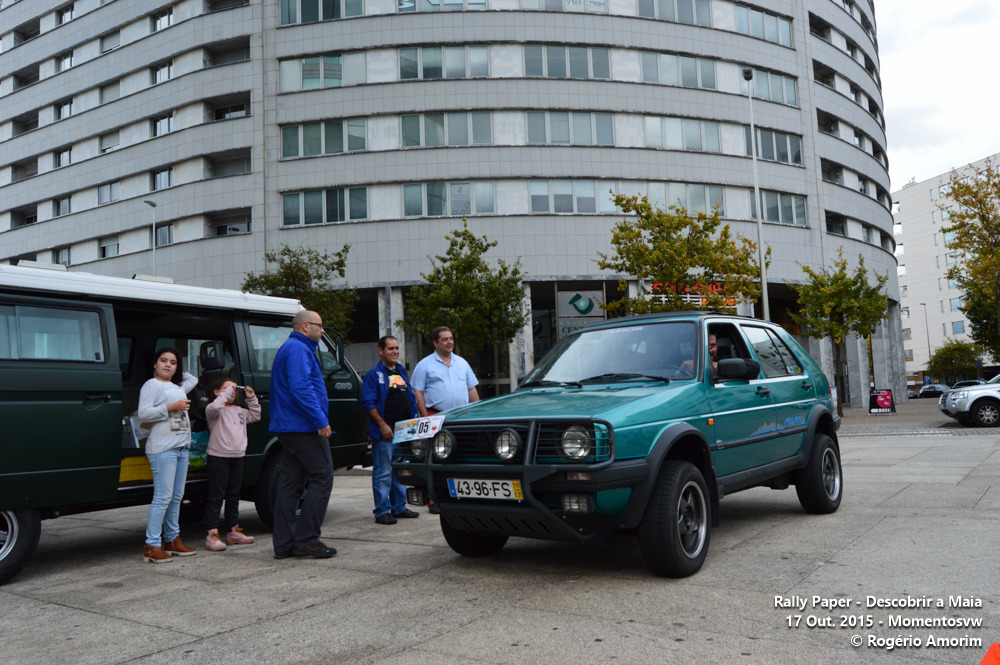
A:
521, 350
390, 310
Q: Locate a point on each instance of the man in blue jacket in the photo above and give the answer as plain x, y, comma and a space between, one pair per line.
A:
299, 415
388, 398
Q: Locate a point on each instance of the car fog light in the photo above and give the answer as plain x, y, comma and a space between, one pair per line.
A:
416, 496
578, 475
418, 447
576, 443
403, 473
444, 445
507, 444
576, 503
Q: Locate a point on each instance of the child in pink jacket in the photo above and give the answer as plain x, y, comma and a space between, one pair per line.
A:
227, 445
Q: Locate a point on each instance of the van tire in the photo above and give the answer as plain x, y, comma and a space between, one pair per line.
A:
266, 490
19, 533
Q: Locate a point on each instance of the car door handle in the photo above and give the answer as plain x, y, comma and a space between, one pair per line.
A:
807, 385
94, 401
763, 391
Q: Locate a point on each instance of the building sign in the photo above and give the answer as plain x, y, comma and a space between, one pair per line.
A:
880, 401
578, 309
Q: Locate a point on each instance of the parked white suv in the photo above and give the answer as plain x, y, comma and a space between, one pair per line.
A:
974, 405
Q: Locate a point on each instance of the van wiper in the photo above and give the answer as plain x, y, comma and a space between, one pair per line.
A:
625, 376
545, 382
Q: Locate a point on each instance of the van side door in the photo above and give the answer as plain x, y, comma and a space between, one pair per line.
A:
60, 403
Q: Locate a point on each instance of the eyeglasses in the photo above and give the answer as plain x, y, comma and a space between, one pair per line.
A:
313, 323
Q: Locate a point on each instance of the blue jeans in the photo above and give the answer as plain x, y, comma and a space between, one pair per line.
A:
169, 474
390, 494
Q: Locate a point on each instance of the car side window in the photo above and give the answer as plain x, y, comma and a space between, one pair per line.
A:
328, 357
265, 340
767, 352
792, 364
42, 333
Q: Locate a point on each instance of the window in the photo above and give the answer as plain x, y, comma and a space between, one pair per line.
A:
580, 196
62, 157
110, 41
64, 61
957, 327
311, 11
161, 72
776, 359
951, 258
323, 138
437, 129
61, 206
761, 25
692, 12
450, 62
230, 225
836, 224
64, 109
110, 92
322, 71
560, 62
109, 141
772, 87
908, 355
694, 197
162, 179
575, 128
108, 247
682, 134
679, 70
37, 333
325, 206
162, 125
775, 146
907, 333
60, 256
107, 193
162, 20
780, 208
234, 111
164, 235
448, 198
228, 165
955, 304
904, 313
591, 6
64, 15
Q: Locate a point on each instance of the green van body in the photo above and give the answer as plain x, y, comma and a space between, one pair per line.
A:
658, 418
74, 351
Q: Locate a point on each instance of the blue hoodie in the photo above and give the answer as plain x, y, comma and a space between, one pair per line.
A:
298, 400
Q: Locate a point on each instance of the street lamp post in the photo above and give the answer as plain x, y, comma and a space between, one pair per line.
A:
927, 331
152, 204
748, 77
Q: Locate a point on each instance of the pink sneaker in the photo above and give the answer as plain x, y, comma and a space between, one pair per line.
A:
213, 543
237, 537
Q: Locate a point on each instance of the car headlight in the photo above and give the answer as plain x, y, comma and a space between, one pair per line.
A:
958, 394
576, 443
444, 445
418, 447
507, 444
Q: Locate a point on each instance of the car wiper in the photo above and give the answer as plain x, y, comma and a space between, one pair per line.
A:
547, 383
625, 376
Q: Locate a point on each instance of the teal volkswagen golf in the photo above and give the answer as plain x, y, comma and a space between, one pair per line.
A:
638, 425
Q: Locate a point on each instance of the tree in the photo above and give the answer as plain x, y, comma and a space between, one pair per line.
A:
308, 276
833, 304
953, 360
973, 234
677, 254
481, 304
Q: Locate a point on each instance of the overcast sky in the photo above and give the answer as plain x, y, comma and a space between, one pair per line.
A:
939, 83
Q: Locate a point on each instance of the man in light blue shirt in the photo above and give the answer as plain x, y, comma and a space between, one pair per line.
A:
443, 380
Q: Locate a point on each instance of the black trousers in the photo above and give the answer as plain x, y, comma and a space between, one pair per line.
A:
305, 458
224, 477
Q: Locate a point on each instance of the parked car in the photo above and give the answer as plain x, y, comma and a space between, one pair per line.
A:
967, 383
933, 390
627, 427
912, 394
977, 405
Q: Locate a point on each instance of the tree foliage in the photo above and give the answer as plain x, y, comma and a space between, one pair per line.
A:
954, 360
481, 304
973, 233
309, 276
672, 252
834, 303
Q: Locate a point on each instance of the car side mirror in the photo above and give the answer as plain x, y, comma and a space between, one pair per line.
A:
737, 369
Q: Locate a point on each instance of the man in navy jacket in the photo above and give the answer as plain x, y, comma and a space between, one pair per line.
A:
388, 398
299, 415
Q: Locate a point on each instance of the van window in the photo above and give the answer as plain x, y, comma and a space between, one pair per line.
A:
265, 340
42, 333
190, 350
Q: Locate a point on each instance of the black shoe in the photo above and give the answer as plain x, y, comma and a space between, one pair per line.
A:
433, 509
282, 555
407, 514
385, 518
316, 551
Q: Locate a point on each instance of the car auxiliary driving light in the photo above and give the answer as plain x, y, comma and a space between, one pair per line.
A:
576, 443
404, 473
415, 495
418, 447
507, 444
444, 445
578, 475
576, 503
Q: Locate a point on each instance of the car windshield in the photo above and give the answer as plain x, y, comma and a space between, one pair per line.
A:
652, 350
995, 379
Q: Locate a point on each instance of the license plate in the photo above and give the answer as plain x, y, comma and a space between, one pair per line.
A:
463, 488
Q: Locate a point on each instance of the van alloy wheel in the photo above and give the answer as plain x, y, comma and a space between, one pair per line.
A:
19, 532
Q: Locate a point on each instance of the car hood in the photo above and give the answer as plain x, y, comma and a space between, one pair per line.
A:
607, 401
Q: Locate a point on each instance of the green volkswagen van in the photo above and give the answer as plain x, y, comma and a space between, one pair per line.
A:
637, 425
75, 349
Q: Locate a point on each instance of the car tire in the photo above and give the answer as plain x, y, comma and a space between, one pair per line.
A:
19, 533
986, 413
266, 490
193, 510
471, 544
675, 531
820, 485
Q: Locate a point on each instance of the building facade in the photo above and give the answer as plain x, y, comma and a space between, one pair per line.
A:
930, 303
234, 128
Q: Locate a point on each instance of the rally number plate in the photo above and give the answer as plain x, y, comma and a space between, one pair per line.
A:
463, 488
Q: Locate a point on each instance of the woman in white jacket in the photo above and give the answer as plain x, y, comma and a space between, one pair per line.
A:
163, 402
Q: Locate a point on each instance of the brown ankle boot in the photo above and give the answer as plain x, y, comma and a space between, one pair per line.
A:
175, 546
155, 555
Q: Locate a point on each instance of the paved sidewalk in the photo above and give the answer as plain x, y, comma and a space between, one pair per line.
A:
919, 520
